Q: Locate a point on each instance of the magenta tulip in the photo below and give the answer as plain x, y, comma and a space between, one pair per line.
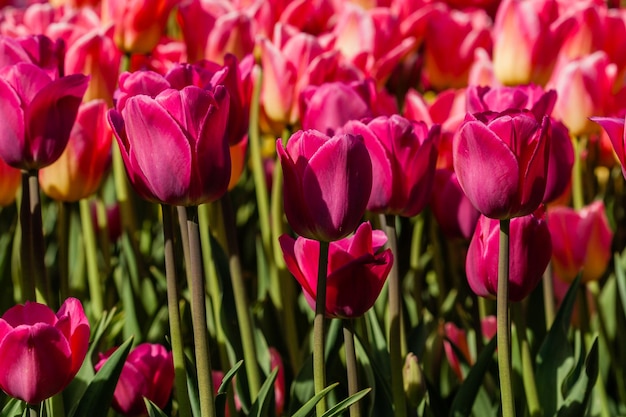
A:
328, 181
455, 214
356, 270
173, 141
148, 372
41, 352
529, 255
614, 127
501, 161
404, 155
38, 114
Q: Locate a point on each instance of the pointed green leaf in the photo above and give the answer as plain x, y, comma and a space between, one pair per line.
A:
264, 399
222, 392
342, 406
153, 409
99, 393
577, 399
309, 406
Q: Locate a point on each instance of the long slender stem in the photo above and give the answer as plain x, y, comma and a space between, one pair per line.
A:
184, 235
198, 316
28, 275
38, 252
63, 226
176, 335
530, 384
241, 299
319, 363
577, 175
395, 320
93, 273
548, 297
351, 365
503, 324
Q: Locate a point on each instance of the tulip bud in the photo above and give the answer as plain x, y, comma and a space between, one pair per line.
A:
414, 383
529, 255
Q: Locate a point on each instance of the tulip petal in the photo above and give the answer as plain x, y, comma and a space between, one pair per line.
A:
29, 314
74, 325
614, 127
486, 168
34, 353
12, 134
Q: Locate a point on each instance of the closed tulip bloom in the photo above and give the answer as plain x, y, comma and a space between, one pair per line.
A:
79, 170
38, 114
581, 241
148, 372
356, 270
41, 352
174, 131
327, 183
614, 127
455, 214
501, 161
529, 255
404, 155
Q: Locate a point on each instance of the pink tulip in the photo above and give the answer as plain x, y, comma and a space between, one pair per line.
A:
530, 251
356, 270
501, 161
455, 214
328, 181
614, 127
38, 112
581, 241
403, 157
41, 352
139, 24
527, 38
80, 168
458, 337
162, 130
148, 372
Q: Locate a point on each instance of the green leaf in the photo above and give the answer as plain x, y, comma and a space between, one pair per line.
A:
555, 355
222, 392
465, 397
264, 399
99, 393
621, 280
343, 405
12, 408
153, 409
309, 406
580, 384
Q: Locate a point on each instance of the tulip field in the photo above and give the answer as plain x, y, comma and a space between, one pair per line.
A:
266, 208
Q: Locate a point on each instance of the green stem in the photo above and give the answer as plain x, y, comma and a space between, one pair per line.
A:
548, 296
395, 320
63, 231
184, 237
577, 183
503, 324
176, 335
530, 384
33, 410
416, 253
38, 250
351, 365
198, 317
241, 299
93, 273
28, 290
256, 163
319, 362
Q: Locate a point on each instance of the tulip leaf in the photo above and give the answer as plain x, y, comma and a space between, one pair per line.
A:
309, 406
153, 409
621, 280
222, 392
12, 408
262, 403
342, 406
555, 356
99, 393
465, 397
578, 384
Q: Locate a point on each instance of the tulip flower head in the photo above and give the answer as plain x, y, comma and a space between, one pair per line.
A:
40, 351
501, 161
356, 270
529, 253
328, 181
614, 127
148, 372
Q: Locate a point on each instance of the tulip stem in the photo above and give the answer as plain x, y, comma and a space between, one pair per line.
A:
528, 374
395, 320
548, 296
351, 365
319, 365
176, 336
503, 323
241, 299
198, 317
63, 226
577, 181
28, 291
93, 274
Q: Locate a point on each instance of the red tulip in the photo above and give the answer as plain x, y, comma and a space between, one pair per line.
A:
501, 161
614, 127
38, 113
529, 255
403, 155
581, 241
41, 352
173, 131
328, 181
356, 270
148, 372
455, 214
80, 168
457, 336
10, 181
